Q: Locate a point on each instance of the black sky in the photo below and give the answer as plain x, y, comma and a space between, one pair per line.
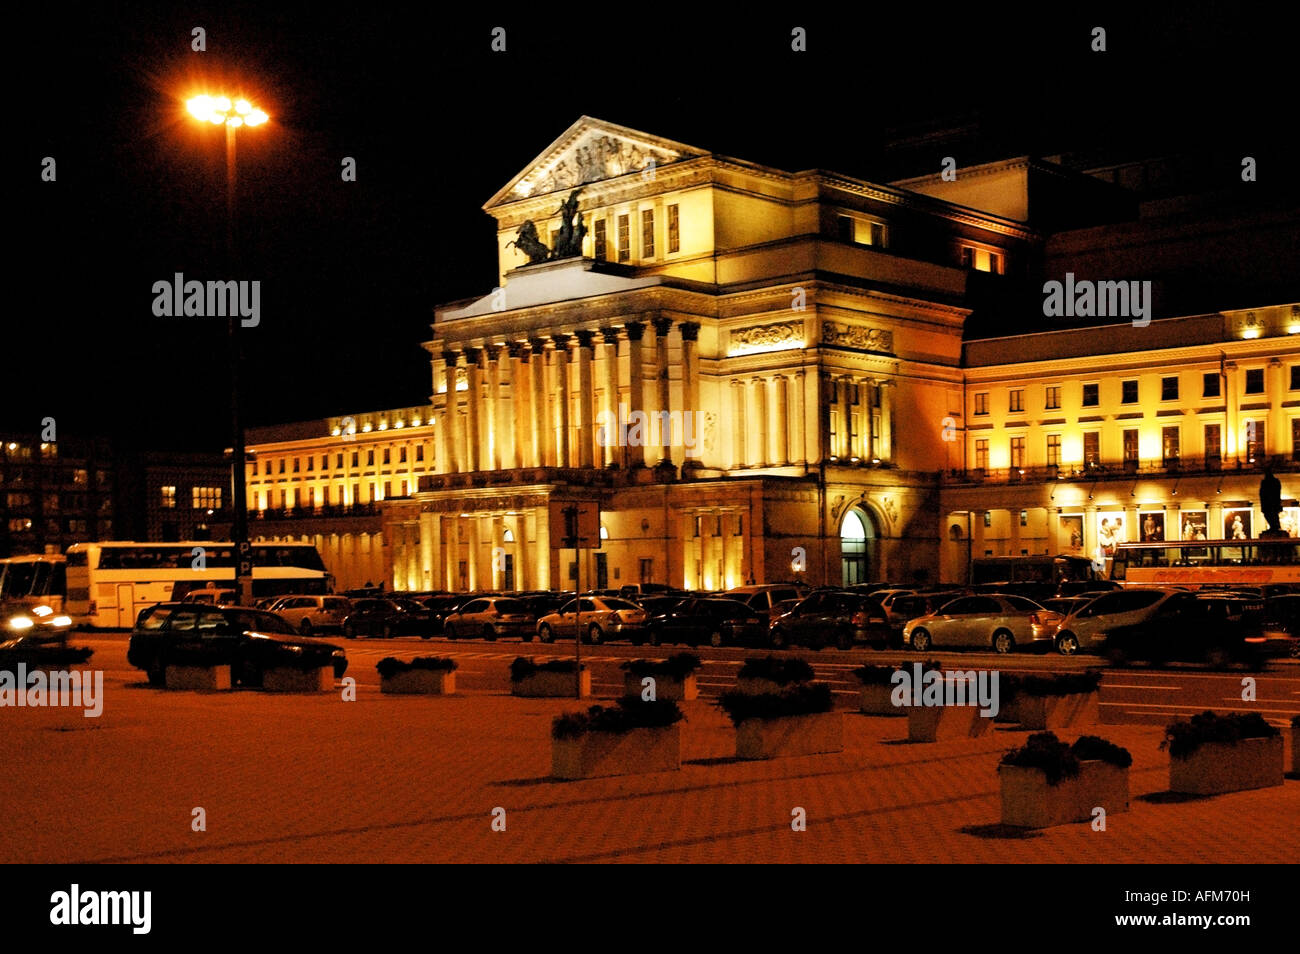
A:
437, 123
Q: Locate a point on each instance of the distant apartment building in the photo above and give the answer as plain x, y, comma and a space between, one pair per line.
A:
54, 493
173, 495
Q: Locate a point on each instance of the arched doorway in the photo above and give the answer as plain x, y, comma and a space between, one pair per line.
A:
857, 546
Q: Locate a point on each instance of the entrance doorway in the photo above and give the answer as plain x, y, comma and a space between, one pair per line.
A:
857, 546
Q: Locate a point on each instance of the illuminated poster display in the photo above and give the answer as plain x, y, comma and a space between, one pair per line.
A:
1152, 524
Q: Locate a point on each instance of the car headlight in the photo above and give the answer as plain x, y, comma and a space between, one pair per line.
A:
61, 621
42, 611
21, 622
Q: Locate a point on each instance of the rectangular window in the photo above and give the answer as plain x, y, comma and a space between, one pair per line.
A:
988, 518
419, 452
1169, 389
1130, 445
599, 251
1254, 440
1128, 393
324, 461
1091, 447
206, 498
169, 498
624, 238
401, 454
297, 462
311, 463
388, 455
388, 489
1053, 401
647, 233
266, 466
1054, 450
1169, 441
647, 569
1255, 381
982, 454
1213, 442
877, 235
355, 458
1017, 452
1295, 377
1210, 384
861, 231
1295, 438
338, 462
1024, 519
982, 403
1016, 402
1090, 395
370, 458
282, 465
674, 229
981, 259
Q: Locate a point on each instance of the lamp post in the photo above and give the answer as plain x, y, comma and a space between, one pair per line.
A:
222, 111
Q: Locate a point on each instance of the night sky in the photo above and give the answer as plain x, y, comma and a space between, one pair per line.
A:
437, 123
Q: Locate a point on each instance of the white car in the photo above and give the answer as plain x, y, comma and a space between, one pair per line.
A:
998, 621
603, 617
312, 614
1086, 627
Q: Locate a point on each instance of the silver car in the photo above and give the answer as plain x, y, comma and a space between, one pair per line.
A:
311, 614
1086, 627
490, 617
981, 621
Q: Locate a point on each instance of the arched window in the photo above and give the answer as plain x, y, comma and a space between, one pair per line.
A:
857, 535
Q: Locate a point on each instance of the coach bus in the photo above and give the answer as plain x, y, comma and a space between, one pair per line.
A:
35, 579
1213, 563
109, 583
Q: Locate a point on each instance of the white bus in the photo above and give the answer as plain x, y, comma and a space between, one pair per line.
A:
35, 579
109, 583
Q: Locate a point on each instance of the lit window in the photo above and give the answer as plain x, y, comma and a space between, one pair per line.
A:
1213, 441
206, 498
1017, 452
169, 498
988, 518
982, 403
674, 229
1053, 401
624, 238
647, 233
1130, 445
981, 259
1169, 441
1053, 450
1024, 519
1017, 401
1091, 448
599, 252
982, 454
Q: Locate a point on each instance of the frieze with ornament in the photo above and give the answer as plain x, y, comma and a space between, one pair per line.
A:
599, 157
768, 336
857, 336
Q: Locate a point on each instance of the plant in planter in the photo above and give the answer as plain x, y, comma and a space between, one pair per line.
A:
878, 688
552, 679
1046, 782
430, 675
1053, 701
674, 677
1295, 745
772, 674
631, 737
1212, 754
795, 721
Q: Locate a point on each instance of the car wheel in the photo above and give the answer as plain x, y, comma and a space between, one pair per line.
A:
449, 631
595, 635
1067, 644
1295, 649
388, 631
546, 634
349, 631
778, 638
305, 626
715, 638
1003, 642
920, 640
526, 637
490, 633
638, 640
844, 640
654, 637
157, 674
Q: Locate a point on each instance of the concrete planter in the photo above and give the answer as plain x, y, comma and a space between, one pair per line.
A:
203, 678
1029, 802
634, 752
877, 700
429, 682
1058, 712
289, 679
940, 723
810, 734
1007, 713
552, 685
666, 687
759, 686
1295, 750
1218, 767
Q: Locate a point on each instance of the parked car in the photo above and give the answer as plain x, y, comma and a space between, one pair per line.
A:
1191, 628
388, 618
716, 621
764, 599
250, 641
1001, 621
602, 618
1062, 606
1085, 628
1281, 625
309, 614
634, 591
826, 617
490, 617
655, 606
210, 596
1080, 587
904, 608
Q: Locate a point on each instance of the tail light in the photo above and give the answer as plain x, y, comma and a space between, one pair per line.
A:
1035, 619
860, 618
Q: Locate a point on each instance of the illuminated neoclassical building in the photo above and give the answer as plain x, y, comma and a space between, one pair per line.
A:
801, 330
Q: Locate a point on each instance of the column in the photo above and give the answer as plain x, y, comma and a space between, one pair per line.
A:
518, 550
691, 390
823, 406
1276, 441
430, 551
473, 556
473, 428
886, 421
662, 380
800, 423
543, 435
542, 550
413, 575
871, 448
1214, 531
519, 404
498, 553
1013, 534
1053, 531
759, 407
782, 456
610, 453
977, 534
448, 459
586, 424
1232, 449
495, 407
845, 390
453, 554
636, 457
562, 398
739, 458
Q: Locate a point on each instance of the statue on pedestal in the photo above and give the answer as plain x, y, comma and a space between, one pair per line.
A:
1270, 502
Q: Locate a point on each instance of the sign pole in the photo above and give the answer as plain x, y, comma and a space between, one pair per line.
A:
577, 636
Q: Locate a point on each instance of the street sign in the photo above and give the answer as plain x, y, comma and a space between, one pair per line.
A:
575, 525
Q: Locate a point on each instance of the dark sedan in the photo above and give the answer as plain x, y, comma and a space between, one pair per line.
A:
718, 622
1207, 629
827, 617
249, 641
388, 618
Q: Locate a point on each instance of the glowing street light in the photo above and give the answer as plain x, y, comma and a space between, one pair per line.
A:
219, 110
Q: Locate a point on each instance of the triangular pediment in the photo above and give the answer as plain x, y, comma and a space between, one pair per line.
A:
591, 150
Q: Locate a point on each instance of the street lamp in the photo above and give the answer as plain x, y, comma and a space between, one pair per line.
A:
233, 114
